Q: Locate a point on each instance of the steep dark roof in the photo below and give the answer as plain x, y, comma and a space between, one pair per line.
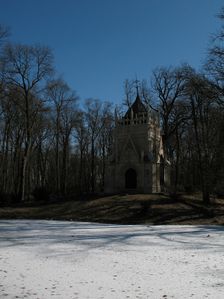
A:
137, 107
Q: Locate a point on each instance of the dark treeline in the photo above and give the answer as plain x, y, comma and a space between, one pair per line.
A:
48, 145
51, 146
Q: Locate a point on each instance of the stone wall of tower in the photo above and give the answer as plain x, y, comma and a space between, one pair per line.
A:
136, 146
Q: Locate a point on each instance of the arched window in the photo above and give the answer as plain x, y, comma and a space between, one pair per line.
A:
130, 179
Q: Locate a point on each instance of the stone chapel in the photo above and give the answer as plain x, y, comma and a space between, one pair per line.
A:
136, 163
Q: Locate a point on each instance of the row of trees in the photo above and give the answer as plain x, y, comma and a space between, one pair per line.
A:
192, 122
191, 106
49, 145
192, 111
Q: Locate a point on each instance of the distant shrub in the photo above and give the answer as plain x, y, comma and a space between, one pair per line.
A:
40, 194
188, 188
175, 196
4, 198
145, 207
8, 199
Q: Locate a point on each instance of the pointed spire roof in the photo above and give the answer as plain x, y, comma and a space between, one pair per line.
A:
137, 107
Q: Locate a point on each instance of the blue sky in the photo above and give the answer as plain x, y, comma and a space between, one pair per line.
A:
98, 44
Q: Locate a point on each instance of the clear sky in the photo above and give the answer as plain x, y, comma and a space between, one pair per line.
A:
98, 44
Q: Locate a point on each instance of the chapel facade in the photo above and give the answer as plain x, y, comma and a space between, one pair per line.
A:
136, 163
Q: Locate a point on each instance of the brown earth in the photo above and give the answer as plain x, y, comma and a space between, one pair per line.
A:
126, 209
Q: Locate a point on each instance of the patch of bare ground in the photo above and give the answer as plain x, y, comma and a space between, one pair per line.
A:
127, 209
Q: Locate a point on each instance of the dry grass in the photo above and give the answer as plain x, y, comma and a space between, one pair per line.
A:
126, 209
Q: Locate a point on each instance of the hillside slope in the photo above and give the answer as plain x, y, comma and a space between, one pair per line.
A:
125, 209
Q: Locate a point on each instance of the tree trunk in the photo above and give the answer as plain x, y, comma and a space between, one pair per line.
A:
92, 166
57, 161
176, 182
204, 187
64, 167
23, 178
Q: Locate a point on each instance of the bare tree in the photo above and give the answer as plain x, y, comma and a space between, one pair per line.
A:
205, 131
4, 33
68, 123
214, 65
96, 117
26, 67
168, 86
82, 138
64, 114
129, 93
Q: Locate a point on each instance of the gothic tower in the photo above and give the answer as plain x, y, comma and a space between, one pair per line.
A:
136, 162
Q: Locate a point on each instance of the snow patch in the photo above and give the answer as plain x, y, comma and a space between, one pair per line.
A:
58, 259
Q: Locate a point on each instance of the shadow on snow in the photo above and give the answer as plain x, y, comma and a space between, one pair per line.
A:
66, 237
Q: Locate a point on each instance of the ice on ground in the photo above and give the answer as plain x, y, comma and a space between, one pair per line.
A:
56, 259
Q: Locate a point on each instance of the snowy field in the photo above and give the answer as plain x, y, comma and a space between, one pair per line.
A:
55, 259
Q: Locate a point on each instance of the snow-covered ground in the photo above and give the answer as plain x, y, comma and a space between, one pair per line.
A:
55, 259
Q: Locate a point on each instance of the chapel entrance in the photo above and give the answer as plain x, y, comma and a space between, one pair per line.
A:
130, 179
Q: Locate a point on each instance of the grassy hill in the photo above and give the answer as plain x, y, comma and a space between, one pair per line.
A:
125, 209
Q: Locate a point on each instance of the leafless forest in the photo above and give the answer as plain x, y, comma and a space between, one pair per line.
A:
54, 145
